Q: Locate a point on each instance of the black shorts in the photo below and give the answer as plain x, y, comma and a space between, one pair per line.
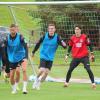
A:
45, 64
15, 65
76, 61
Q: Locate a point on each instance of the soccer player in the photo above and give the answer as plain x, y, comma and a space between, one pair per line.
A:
3, 57
17, 53
49, 43
78, 46
4, 60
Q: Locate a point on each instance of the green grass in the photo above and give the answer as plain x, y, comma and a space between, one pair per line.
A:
53, 91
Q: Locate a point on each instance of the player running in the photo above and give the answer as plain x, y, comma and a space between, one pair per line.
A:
49, 44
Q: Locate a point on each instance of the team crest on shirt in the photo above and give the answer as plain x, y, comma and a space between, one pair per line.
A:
81, 40
78, 45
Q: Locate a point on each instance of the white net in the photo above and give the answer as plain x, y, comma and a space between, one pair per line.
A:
33, 21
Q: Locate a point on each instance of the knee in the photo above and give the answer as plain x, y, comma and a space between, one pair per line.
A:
46, 72
24, 70
41, 70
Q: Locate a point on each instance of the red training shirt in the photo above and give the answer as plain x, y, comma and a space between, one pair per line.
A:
79, 46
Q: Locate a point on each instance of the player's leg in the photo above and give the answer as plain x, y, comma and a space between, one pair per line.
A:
39, 75
17, 76
44, 75
37, 79
40, 72
24, 69
42, 78
48, 67
12, 76
86, 63
12, 80
74, 63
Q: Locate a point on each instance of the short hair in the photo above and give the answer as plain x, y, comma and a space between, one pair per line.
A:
78, 26
52, 24
13, 25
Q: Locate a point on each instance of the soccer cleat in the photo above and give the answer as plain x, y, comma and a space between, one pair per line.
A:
66, 84
93, 85
25, 92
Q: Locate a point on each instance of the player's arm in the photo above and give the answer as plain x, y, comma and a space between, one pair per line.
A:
61, 42
92, 57
38, 45
70, 43
68, 52
3, 48
25, 46
89, 44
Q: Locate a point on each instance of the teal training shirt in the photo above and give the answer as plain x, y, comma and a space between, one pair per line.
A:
48, 47
15, 49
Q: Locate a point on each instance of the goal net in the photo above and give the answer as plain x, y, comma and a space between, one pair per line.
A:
33, 20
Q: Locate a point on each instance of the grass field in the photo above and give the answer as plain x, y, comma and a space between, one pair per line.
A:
53, 91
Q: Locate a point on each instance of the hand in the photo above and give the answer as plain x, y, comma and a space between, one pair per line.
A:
63, 43
92, 58
66, 57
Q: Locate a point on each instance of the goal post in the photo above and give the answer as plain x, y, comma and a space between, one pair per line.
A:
50, 3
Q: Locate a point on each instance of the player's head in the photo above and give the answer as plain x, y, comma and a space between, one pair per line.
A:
78, 30
51, 29
13, 29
